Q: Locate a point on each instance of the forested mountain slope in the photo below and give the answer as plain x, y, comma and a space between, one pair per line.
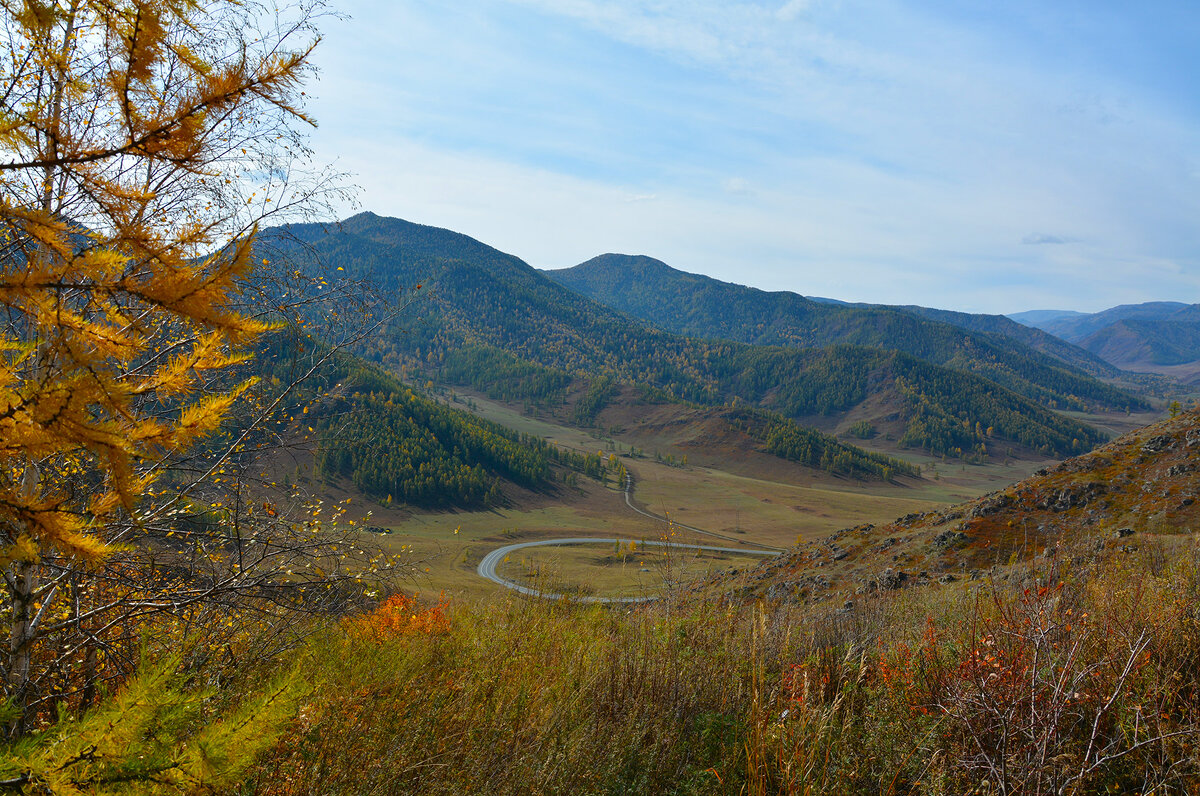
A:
397, 445
1075, 356
1056, 373
497, 324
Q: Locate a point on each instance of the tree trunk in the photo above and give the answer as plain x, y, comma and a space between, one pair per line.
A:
20, 642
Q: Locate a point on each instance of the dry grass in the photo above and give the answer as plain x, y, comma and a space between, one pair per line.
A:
1077, 678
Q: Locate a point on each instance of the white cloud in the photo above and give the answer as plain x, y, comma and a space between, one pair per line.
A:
793, 10
660, 27
1040, 239
736, 185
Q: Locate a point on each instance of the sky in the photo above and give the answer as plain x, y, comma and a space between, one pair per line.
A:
963, 154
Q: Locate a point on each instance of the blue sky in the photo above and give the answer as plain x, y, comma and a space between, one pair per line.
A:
983, 156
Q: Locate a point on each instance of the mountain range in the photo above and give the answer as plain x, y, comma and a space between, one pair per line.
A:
494, 323
1156, 337
992, 346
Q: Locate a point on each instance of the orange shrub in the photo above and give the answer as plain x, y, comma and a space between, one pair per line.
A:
401, 615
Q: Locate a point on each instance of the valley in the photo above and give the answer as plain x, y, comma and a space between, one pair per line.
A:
312, 488
743, 495
770, 442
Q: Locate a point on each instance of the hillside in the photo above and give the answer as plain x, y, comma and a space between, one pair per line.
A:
1027, 361
494, 323
1139, 489
1021, 328
369, 430
723, 436
1075, 356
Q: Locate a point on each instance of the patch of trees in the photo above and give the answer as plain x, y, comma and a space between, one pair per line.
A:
789, 440
958, 418
401, 446
502, 376
862, 429
398, 445
599, 392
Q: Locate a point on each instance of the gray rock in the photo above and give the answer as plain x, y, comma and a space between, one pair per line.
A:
891, 579
949, 539
1073, 496
1155, 444
991, 505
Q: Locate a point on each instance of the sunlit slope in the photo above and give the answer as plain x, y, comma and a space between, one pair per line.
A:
1135, 492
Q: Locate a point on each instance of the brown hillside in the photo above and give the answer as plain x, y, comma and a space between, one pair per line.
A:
1136, 491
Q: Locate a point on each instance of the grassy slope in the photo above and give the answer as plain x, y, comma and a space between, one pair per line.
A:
1144, 481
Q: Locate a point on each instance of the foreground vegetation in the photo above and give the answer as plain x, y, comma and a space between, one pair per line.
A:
1077, 675
1063, 684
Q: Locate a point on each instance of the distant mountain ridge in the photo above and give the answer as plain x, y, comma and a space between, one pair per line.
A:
1036, 339
1077, 329
499, 325
1044, 369
1009, 326
1037, 318
1159, 342
1149, 336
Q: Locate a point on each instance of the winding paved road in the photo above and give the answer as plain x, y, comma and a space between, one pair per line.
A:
487, 566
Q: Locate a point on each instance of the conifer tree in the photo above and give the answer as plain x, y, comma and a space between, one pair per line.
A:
141, 143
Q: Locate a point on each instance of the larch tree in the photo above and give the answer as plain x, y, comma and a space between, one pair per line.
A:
141, 144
